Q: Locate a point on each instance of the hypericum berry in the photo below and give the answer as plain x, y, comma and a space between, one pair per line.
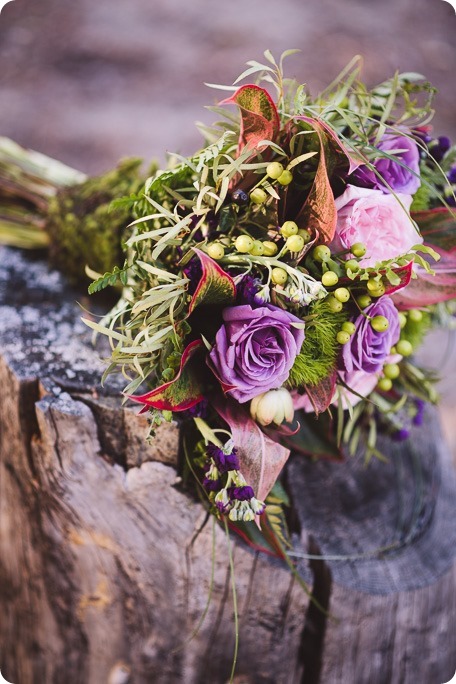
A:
334, 305
373, 284
385, 384
343, 337
269, 248
342, 294
364, 301
321, 253
391, 371
244, 243
352, 265
329, 278
378, 293
258, 196
289, 228
306, 236
358, 249
257, 249
375, 287
415, 315
402, 320
285, 177
379, 323
295, 243
349, 327
216, 251
279, 276
404, 348
240, 197
274, 170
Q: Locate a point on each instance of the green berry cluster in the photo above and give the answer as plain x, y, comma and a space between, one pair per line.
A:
275, 171
392, 371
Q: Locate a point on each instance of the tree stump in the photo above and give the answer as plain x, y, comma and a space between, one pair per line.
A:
107, 567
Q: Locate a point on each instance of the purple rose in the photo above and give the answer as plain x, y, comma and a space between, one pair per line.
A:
255, 349
401, 176
368, 349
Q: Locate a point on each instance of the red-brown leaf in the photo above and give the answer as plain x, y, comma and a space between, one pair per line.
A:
319, 214
259, 116
322, 394
429, 289
261, 458
215, 285
179, 394
438, 227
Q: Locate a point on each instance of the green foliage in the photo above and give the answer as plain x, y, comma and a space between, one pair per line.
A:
414, 331
320, 348
421, 199
276, 500
84, 229
110, 279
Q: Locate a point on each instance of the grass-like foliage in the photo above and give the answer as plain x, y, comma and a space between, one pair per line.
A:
320, 349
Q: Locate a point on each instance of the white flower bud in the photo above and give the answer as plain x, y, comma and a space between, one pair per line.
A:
274, 406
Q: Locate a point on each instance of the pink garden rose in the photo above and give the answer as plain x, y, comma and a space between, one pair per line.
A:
376, 219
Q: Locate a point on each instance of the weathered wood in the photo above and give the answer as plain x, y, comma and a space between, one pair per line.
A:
106, 563
103, 558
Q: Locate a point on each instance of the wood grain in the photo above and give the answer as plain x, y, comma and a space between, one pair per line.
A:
106, 562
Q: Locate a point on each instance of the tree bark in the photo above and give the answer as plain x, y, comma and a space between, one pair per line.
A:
107, 566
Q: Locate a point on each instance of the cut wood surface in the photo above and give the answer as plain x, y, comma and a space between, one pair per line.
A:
107, 565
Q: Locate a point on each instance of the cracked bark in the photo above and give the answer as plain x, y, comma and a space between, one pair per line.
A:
105, 565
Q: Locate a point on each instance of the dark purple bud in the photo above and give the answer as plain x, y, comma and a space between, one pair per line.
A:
212, 485
452, 174
194, 272
247, 291
222, 501
419, 416
197, 411
223, 461
438, 148
401, 435
241, 493
240, 197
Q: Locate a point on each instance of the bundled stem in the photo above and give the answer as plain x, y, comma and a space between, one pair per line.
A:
46, 204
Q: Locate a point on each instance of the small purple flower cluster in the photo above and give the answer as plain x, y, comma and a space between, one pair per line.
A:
403, 433
235, 497
250, 290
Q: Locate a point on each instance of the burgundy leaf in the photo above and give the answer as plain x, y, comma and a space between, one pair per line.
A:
438, 227
215, 285
261, 458
179, 394
429, 289
259, 116
322, 394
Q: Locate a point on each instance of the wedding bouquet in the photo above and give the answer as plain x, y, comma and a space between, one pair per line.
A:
277, 282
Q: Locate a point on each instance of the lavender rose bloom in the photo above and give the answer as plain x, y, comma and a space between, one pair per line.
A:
255, 349
368, 349
397, 177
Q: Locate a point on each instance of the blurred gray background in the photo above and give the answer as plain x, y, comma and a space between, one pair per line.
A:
94, 80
